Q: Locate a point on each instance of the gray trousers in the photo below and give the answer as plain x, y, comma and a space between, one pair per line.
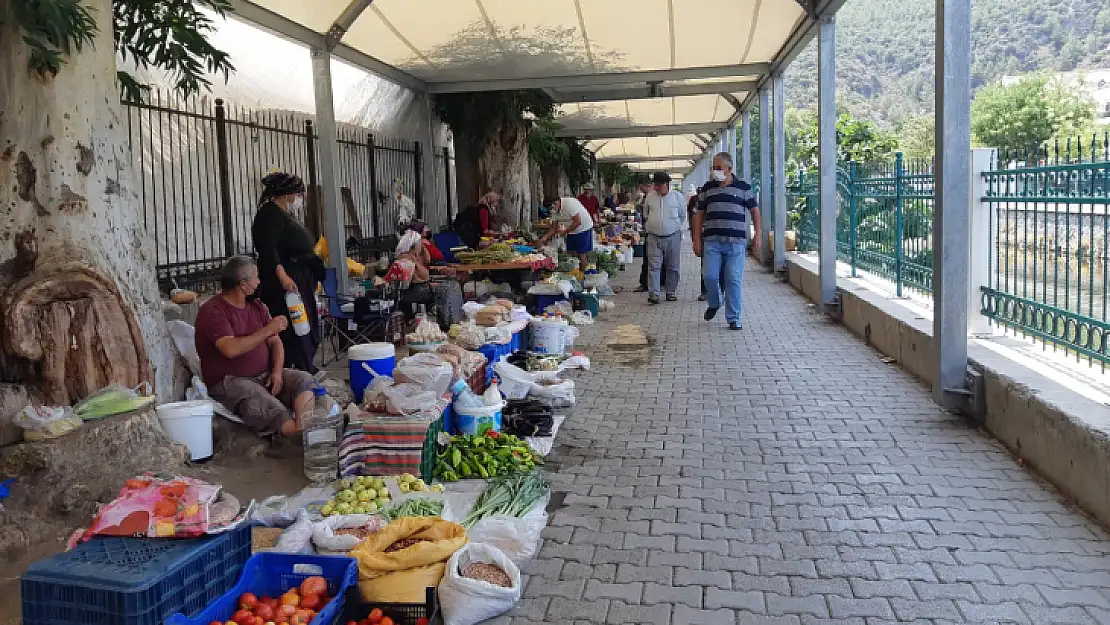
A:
663, 257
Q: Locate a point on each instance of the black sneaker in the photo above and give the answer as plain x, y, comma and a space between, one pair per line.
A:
732, 325
710, 313
640, 289
672, 297
701, 298
653, 299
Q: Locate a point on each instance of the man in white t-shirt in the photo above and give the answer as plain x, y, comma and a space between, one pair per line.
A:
575, 223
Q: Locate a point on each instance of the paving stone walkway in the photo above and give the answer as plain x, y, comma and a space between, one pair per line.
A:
784, 474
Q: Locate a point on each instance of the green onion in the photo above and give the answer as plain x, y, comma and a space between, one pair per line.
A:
508, 496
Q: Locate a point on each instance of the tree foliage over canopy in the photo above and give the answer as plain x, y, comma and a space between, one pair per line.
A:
166, 34
1028, 113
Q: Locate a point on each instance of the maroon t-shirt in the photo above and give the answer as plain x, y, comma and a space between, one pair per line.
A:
219, 318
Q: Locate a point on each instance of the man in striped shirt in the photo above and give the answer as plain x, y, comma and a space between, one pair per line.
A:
720, 235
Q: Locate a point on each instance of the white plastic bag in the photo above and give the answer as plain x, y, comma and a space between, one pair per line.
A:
429, 371
466, 601
559, 395
409, 398
518, 538
184, 339
297, 538
515, 382
575, 362
328, 542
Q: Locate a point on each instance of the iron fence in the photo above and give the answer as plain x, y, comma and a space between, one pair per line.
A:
199, 164
1050, 266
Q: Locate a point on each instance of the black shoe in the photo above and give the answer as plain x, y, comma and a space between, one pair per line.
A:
653, 299
701, 298
732, 325
640, 289
711, 312
672, 298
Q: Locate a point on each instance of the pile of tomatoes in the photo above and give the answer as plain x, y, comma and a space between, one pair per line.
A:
297, 606
376, 617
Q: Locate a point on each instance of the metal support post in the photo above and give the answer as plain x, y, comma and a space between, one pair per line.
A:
983, 239
224, 177
826, 160
778, 175
334, 227
746, 146
952, 255
447, 186
899, 227
766, 191
428, 162
853, 219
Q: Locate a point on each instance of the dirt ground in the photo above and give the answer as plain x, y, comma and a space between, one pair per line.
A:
238, 470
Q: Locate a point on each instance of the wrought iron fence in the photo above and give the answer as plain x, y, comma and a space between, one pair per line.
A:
1050, 269
199, 164
883, 223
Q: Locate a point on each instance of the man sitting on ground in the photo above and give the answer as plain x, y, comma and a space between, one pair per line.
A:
241, 356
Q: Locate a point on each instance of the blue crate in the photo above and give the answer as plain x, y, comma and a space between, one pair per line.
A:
543, 301
132, 581
271, 574
494, 352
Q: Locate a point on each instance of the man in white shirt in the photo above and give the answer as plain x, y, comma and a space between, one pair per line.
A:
664, 221
575, 223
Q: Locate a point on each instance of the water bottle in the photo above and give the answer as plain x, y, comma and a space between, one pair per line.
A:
298, 315
492, 396
321, 431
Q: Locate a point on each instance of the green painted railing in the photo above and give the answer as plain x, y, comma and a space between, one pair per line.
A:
1050, 270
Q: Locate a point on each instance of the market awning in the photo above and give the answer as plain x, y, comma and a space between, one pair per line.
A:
624, 69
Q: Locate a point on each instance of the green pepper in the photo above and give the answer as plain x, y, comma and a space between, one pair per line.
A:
456, 458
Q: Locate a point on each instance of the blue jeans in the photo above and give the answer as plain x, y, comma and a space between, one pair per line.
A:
724, 261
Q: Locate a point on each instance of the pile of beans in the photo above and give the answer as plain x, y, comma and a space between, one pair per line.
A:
488, 573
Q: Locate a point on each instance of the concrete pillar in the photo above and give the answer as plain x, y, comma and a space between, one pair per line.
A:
328, 152
951, 249
778, 175
983, 240
428, 180
766, 190
826, 160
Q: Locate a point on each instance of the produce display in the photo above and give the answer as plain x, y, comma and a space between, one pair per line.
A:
490, 573
511, 496
419, 506
425, 332
492, 255
605, 261
377, 617
484, 456
362, 495
297, 606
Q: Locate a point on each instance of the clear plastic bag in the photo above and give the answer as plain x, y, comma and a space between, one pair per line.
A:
518, 538
427, 370
45, 422
112, 400
297, 538
328, 542
409, 398
466, 601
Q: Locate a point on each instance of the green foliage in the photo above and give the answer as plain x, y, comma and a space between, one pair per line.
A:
856, 140
917, 136
579, 164
618, 173
886, 50
1028, 113
166, 34
478, 117
564, 153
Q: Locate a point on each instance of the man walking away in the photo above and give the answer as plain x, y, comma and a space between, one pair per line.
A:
721, 235
664, 221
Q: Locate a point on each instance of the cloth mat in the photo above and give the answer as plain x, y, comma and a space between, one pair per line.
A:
375, 444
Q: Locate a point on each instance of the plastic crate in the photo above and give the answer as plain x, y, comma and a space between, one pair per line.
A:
133, 581
271, 574
428, 454
401, 613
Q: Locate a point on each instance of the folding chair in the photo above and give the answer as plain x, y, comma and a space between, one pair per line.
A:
340, 328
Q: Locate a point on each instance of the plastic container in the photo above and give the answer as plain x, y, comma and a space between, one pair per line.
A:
475, 420
381, 357
133, 581
298, 314
401, 613
272, 574
549, 337
589, 302
189, 423
322, 430
543, 301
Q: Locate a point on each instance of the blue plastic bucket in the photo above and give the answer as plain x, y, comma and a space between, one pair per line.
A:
381, 357
477, 420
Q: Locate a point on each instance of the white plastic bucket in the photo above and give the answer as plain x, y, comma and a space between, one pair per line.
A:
472, 420
550, 337
189, 423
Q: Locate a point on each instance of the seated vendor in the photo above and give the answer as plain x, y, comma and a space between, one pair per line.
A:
574, 221
241, 356
435, 256
410, 252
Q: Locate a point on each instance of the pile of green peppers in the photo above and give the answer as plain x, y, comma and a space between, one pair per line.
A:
487, 455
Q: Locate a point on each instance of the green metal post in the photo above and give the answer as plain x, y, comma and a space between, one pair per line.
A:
803, 237
852, 217
899, 253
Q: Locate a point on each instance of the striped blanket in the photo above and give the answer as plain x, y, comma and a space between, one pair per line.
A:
379, 444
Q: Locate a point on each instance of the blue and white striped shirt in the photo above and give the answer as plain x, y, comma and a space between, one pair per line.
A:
725, 209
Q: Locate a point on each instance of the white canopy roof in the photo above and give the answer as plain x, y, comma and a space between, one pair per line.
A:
623, 69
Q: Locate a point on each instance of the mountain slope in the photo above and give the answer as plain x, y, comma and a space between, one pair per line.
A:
885, 50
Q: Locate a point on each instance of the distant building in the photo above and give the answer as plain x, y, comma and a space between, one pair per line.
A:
1095, 81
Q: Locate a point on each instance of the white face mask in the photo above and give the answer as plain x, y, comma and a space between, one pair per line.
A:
719, 175
298, 203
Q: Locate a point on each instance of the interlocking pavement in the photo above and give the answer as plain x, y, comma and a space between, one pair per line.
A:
784, 474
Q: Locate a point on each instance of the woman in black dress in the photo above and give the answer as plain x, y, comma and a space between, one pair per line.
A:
286, 263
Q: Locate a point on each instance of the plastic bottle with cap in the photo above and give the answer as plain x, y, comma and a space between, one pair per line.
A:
298, 314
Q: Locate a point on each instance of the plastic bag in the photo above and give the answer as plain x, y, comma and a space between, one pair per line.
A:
282, 510
409, 398
575, 362
40, 423
184, 339
466, 601
112, 400
328, 542
470, 309
469, 336
518, 538
401, 576
515, 382
582, 318
427, 370
559, 393
297, 538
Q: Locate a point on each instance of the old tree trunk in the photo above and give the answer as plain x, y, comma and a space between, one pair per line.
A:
498, 163
79, 306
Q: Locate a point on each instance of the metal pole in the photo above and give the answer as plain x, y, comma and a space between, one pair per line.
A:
899, 227
766, 191
375, 204
334, 226
826, 160
447, 184
418, 186
313, 201
951, 255
778, 176
853, 218
428, 163
746, 145
225, 178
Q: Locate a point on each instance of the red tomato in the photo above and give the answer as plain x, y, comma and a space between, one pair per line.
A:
291, 598
243, 617
310, 601
247, 601
265, 612
314, 585
286, 610
386, 621
352, 622
421, 621
375, 616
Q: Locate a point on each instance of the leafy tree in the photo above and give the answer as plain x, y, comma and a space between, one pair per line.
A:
917, 136
1028, 113
166, 34
856, 140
